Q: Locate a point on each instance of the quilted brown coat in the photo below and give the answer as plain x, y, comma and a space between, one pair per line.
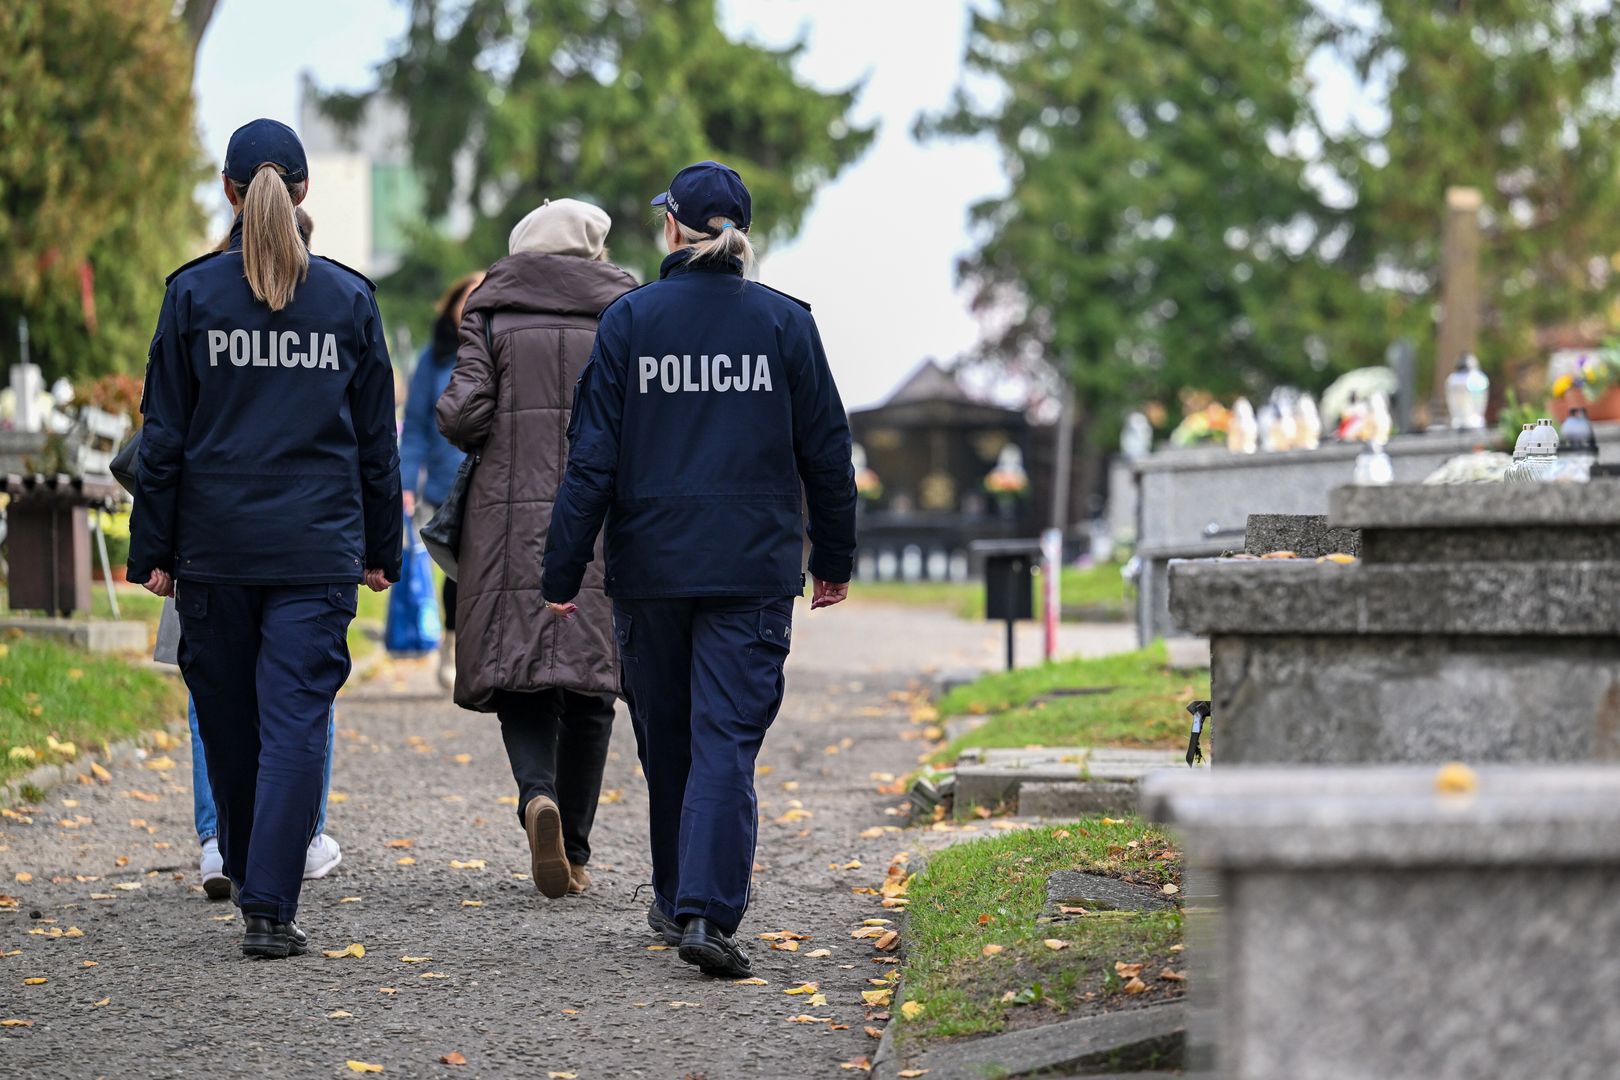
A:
510, 404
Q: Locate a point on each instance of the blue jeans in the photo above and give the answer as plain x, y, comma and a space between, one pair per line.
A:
202, 792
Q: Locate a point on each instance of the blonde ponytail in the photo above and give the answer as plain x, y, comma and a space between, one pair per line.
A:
725, 239
274, 257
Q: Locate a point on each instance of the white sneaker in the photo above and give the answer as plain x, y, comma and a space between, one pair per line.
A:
322, 857
212, 865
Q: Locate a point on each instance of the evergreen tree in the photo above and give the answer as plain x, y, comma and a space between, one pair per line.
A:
98, 168
511, 102
1517, 98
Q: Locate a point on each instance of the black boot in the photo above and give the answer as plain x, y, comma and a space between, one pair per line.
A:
664, 926
713, 951
270, 940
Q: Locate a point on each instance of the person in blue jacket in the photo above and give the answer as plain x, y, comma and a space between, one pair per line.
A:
704, 425
427, 461
267, 489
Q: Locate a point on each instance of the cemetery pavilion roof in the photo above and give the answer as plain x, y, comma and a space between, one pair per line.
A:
931, 396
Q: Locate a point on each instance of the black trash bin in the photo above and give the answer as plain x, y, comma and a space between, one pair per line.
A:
1009, 582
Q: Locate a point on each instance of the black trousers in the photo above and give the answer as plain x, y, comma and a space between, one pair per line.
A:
449, 605
704, 677
557, 742
263, 664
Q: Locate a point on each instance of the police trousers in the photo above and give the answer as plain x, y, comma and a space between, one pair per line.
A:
263, 664
703, 678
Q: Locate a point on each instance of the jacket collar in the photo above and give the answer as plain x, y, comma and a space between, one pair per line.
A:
679, 262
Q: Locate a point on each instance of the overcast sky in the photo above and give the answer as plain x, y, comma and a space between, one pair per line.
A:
877, 253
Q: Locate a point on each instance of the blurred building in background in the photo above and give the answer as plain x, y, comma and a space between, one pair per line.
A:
365, 196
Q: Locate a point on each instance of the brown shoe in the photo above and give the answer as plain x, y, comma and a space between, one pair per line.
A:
548, 864
579, 879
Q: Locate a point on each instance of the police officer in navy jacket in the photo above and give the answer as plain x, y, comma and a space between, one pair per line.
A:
267, 489
704, 423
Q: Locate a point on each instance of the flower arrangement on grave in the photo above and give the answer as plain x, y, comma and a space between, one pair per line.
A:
1593, 383
867, 483
1206, 425
1007, 480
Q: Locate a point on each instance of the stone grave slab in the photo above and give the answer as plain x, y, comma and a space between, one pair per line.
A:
1096, 892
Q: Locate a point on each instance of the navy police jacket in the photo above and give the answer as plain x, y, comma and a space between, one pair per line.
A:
268, 456
704, 425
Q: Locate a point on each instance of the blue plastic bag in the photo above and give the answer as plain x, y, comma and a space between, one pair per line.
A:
413, 609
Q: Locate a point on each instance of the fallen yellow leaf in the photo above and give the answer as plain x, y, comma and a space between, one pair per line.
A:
16, 1023
990, 950
100, 772
350, 900
454, 1057
888, 941
339, 1014
819, 953
561, 1076
472, 903
1136, 986
755, 981
507, 800
24, 876
160, 764
1172, 976
911, 1010
414, 959
462, 759
910, 1074
877, 997
1455, 778
804, 1018
433, 975
406, 861
401, 843
1127, 971
35, 982
363, 1066
612, 795
355, 950
1057, 943
336, 797
860, 1064
658, 948
470, 864
803, 988
103, 1001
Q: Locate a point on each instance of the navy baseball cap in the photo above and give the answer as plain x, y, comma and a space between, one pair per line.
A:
707, 190
260, 142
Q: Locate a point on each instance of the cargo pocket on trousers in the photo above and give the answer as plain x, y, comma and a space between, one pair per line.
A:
191, 603
775, 636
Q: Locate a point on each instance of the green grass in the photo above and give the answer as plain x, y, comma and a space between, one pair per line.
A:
1143, 704
961, 990
50, 689
365, 631
1095, 592
134, 602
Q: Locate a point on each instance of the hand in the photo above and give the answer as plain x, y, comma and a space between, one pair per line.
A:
563, 611
409, 499
376, 580
160, 583
828, 593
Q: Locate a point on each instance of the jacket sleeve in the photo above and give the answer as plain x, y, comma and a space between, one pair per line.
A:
371, 404
822, 446
418, 426
593, 462
466, 409
167, 403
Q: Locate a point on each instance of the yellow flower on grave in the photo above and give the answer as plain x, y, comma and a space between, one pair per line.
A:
1562, 385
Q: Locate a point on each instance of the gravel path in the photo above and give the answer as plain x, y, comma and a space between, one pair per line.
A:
517, 984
